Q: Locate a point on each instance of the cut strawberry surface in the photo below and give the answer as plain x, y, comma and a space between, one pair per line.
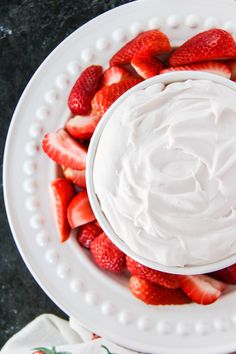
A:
153, 42
84, 89
146, 65
154, 294
227, 275
64, 150
106, 255
167, 280
201, 288
62, 194
79, 211
87, 233
214, 67
109, 94
75, 176
208, 45
82, 127
115, 74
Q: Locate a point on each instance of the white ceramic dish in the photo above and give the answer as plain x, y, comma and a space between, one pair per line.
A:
165, 79
102, 302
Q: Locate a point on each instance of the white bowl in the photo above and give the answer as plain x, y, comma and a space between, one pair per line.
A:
166, 79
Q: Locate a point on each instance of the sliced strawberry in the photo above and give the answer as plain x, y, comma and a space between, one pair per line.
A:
84, 89
214, 67
64, 150
109, 94
201, 288
228, 275
79, 211
167, 280
106, 255
62, 194
75, 176
153, 42
154, 294
87, 233
146, 65
232, 66
115, 74
208, 45
82, 127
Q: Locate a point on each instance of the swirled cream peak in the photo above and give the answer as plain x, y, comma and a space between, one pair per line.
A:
165, 172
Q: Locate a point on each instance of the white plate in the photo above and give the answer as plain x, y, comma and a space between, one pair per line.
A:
102, 302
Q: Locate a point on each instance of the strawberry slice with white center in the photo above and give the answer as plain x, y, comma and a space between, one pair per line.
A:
214, 67
75, 176
146, 65
64, 150
115, 74
79, 211
82, 127
202, 289
62, 194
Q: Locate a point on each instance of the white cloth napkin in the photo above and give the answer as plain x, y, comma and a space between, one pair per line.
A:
56, 336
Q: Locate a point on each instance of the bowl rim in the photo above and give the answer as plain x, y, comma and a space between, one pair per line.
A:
167, 78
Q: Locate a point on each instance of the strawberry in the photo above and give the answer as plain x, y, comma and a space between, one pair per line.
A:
115, 74
228, 275
232, 66
153, 42
109, 94
82, 127
62, 194
87, 233
167, 280
208, 45
75, 176
79, 211
146, 65
64, 150
214, 67
84, 89
106, 255
154, 294
201, 288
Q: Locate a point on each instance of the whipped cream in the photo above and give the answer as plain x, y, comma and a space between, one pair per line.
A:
165, 172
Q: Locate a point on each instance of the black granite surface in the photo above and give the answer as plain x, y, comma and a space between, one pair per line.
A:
29, 30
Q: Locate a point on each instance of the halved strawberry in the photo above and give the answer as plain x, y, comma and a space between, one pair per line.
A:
154, 294
153, 42
232, 66
228, 275
104, 98
214, 67
167, 280
146, 65
75, 176
106, 255
208, 45
82, 127
115, 74
87, 233
201, 288
62, 194
64, 150
79, 211
84, 89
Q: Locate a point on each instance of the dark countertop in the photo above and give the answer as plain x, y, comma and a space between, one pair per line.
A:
29, 31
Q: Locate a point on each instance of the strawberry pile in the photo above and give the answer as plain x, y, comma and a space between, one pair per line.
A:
148, 54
